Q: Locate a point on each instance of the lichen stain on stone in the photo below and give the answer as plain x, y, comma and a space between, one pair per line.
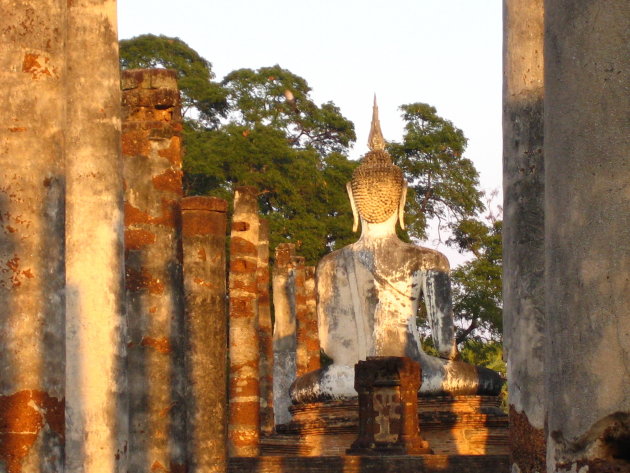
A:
174, 151
15, 274
134, 216
135, 143
32, 64
160, 344
169, 181
138, 239
137, 280
17, 129
204, 283
22, 416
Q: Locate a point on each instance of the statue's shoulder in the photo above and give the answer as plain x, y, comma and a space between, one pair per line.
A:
329, 262
428, 258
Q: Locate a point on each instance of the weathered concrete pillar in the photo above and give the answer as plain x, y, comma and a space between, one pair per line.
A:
244, 416
587, 225
96, 407
265, 331
153, 188
32, 279
284, 328
523, 229
204, 223
307, 351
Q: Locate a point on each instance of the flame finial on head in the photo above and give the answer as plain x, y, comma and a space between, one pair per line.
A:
376, 142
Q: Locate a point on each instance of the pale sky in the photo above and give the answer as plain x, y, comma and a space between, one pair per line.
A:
443, 52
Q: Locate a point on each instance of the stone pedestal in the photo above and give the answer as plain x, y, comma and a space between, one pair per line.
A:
388, 417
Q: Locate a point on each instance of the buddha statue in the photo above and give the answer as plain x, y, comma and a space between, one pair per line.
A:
368, 295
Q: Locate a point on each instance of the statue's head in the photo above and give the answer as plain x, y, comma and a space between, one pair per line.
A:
377, 189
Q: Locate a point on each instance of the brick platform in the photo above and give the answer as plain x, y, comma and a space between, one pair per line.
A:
363, 464
460, 425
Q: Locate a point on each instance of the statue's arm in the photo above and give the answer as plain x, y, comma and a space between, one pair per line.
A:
437, 298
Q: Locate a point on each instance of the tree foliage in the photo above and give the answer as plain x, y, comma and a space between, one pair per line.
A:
477, 297
261, 128
442, 183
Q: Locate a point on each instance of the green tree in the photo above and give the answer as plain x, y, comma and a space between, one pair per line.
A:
261, 128
442, 183
477, 288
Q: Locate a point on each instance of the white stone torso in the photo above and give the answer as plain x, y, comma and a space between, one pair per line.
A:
369, 294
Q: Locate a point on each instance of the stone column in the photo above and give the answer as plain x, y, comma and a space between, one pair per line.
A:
308, 349
153, 188
284, 337
587, 241
204, 224
32, 279
523, 229
244, 417
96, 408
265, 331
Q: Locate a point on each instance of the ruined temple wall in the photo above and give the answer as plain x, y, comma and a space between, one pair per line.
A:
152, 161
587, 212
32, 218
523, 229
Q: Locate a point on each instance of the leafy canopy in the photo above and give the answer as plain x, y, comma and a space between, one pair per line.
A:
442, 183
261, 128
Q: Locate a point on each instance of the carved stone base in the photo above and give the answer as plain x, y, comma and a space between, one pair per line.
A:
388, 411
453, 425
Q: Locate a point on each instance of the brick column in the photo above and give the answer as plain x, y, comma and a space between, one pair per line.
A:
96, 410
523, 229
32, 278
307, 351
284, 337
153, 188
204, 224
244, 416
265, 332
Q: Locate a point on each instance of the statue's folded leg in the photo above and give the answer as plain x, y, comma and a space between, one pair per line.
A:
439, 377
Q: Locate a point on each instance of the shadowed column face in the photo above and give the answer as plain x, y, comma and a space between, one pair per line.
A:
523, 229
284, 332
153, 189
265, 331
244, 392
32, 278
204, 223
587, 221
